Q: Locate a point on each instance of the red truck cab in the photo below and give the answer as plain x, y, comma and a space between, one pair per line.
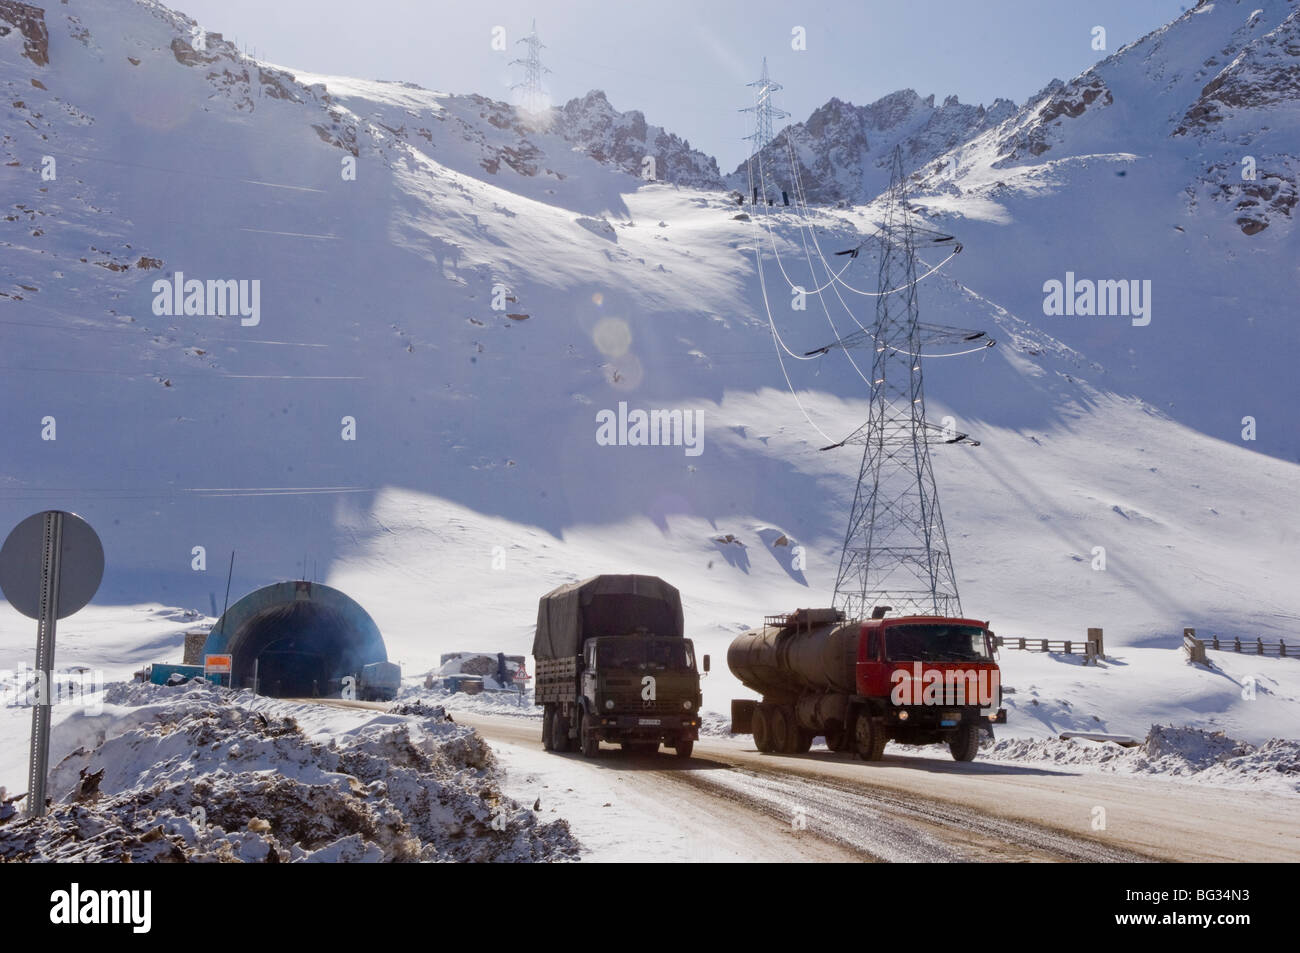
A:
927, 676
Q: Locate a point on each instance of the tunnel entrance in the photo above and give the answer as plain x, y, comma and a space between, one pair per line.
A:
296, 639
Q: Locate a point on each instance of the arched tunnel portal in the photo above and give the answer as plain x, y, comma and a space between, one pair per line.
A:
296, 639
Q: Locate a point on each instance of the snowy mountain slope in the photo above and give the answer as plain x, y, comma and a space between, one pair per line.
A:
476, 481
1105, 178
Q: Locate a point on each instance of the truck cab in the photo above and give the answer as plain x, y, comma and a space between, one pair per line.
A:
930, 676
641, 690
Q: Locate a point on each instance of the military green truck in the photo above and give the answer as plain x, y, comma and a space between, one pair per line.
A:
613, 664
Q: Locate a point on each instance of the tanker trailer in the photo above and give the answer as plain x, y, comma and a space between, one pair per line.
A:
912, 679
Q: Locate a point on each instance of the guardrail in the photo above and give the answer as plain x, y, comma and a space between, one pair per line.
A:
1092, 648
1196, 647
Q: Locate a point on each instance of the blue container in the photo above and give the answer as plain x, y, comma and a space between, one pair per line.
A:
161, 671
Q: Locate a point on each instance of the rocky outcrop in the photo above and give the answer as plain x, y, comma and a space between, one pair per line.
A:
29, 21
626, 141
1038, 124
1263, 75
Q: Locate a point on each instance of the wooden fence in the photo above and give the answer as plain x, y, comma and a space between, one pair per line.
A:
1092, 648
1196, 647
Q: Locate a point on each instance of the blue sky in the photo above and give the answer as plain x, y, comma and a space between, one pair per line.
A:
685, 64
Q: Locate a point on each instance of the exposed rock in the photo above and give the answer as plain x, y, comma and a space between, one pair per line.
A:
625, 140
30, 22
1263, 75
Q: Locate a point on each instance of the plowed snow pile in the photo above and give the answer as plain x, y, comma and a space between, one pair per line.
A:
200, 773
1207, 756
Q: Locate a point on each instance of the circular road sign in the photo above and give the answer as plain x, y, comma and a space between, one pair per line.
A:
81, 565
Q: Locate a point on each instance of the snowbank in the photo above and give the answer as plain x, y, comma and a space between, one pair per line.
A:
199, 773
1187, 753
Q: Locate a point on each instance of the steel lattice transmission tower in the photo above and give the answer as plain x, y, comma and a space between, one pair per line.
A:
533, 98
895, 546
764, 112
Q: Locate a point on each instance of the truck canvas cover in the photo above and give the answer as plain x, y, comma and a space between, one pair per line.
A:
605, 605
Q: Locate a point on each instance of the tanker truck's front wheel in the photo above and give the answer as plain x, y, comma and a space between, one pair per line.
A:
684, 747
965, 742
868, 737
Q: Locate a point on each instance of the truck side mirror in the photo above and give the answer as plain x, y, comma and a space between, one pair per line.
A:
706, 663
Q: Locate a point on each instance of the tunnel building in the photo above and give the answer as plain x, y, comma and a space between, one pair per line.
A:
296, 639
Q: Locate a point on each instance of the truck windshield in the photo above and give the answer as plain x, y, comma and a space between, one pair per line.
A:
936, 643
647, 655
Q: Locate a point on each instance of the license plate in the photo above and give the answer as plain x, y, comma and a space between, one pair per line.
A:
649, 721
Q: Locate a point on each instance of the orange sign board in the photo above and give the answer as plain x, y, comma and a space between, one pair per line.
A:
217, 664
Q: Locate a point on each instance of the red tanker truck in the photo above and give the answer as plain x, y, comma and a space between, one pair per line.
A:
912, 679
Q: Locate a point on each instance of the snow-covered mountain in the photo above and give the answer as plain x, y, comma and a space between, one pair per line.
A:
625, 140
463, 293
843, 151
1215, 94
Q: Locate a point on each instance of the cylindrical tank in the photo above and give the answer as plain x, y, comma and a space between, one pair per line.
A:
787, 661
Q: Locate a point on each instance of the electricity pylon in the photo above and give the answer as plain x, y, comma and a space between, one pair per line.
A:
533, 98
895, 546
764, 113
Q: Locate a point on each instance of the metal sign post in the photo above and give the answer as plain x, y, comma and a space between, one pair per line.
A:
45, 628
521, 679
50, 566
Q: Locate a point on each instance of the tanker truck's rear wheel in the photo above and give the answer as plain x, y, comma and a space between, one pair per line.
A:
762, 726
785, 731
965, 742
868, 738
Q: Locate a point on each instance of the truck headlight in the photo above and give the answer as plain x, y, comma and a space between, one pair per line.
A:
687, 704
609, 703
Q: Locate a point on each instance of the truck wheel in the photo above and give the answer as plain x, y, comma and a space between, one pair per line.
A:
548, 727
560, 740
683, 748
803, 738
762, 726
785, 733
965, 742
868, 739
834, 740
590, 742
